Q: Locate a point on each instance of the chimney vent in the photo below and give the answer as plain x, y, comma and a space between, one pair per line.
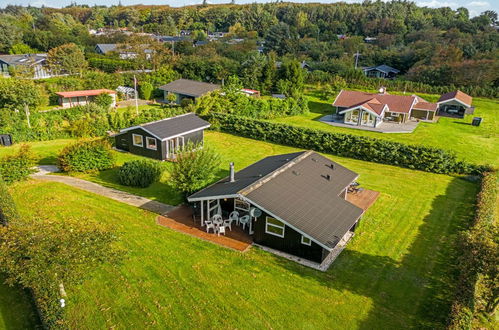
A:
328, 177
232, 174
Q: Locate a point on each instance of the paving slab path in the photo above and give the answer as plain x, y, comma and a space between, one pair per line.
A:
45, 172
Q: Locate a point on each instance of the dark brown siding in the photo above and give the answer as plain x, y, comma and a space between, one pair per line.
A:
290, 243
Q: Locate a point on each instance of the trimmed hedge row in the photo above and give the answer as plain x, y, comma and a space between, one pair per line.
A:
359, 147
479, 253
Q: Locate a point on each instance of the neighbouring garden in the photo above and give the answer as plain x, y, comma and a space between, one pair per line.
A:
397, 273
470, 143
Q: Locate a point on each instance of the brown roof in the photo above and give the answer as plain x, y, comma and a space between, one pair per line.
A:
91, 92
395, 103
426, 106
458, 95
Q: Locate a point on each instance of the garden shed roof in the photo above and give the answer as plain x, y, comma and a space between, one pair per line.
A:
171, 127
189, 87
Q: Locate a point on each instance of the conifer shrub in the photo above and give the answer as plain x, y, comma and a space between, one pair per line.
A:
139, 173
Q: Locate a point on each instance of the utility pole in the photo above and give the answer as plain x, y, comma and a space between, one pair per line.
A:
356, 58
26, 110
136, 96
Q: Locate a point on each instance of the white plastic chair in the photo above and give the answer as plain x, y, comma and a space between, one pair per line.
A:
234, 215
217, 218
221, 230
228, 224
209, 225
244, 220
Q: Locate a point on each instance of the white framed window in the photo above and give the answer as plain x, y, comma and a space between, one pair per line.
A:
138, 140
151, 143
241, 205
274, 227
394, 114
306, 240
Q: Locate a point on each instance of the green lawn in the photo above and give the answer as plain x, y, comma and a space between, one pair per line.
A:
396, 273
47, 151
475, 144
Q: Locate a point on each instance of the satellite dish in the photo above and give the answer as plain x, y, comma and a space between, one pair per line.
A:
255, 212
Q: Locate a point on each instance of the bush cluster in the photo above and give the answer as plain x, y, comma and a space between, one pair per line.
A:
86, 155
479, 257
139, 173
359, 147
18, 166
242, 105
81, 121
359, 81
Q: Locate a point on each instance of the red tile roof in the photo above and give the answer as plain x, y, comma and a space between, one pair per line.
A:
395, 103
91, 92
458, 95
426, 106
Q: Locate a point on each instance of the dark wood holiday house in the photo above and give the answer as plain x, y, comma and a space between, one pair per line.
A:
297, 204
162, 139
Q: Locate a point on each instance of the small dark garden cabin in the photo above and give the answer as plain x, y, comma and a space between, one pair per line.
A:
162, 139
300, 202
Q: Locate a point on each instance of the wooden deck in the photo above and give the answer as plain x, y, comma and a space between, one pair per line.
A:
180, 219
363, 199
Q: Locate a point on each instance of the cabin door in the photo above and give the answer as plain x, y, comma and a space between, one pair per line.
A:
174, 145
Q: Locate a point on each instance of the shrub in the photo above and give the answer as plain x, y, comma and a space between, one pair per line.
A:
8, 210
359, 147
194, 168
145, 90
19, 166
103, 100
43, 255
479, 257
86, 155
139, 173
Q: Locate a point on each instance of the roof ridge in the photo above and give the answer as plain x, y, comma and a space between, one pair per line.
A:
165, 119
275, 173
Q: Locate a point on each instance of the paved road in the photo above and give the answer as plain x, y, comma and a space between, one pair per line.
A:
45, 173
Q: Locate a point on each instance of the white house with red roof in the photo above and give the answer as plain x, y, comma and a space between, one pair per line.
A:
74, 98
371, 109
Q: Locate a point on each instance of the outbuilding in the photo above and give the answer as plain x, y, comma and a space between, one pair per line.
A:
455, 104
187, 89
162, 139
74, 98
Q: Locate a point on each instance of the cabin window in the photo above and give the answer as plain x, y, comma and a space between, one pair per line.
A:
394, 114
151, 143
274, 227
306, 240
138, 140
241, 205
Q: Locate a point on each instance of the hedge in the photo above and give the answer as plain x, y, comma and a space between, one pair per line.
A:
477, 264
359, 147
